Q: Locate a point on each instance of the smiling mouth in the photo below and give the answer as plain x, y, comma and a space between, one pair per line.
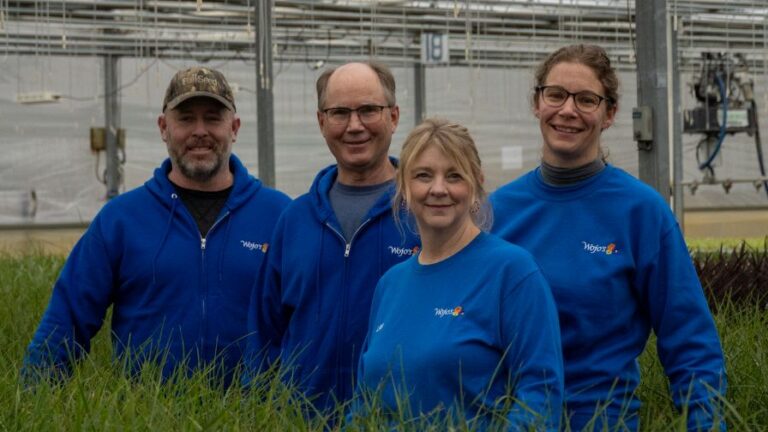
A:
197, 150
566, 129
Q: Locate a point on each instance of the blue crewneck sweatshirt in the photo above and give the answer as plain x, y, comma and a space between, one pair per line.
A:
465, 333
310, 307
177, 297
618, 267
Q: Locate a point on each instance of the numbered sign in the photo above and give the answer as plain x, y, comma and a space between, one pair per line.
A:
434, 48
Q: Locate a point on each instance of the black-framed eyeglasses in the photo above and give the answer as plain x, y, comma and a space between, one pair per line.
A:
368, 114
586, 101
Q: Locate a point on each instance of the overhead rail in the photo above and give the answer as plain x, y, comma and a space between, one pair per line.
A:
493, 33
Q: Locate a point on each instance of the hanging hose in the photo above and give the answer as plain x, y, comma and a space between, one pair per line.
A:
759, 145
723, 125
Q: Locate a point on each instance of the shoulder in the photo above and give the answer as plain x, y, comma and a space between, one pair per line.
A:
511, 194
129, 201
397, 271
299, 205
506, 265
274, 196
496, 251
515, 186
617, 177
298, 215
633, 194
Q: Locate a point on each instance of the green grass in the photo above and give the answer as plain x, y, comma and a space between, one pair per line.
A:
99, 397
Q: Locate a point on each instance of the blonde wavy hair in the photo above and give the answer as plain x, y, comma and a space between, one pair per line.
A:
454, 141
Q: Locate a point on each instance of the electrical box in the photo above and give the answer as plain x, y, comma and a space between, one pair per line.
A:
99, 139
642, 123
708, 120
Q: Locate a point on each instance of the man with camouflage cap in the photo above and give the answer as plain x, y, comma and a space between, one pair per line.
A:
176, 257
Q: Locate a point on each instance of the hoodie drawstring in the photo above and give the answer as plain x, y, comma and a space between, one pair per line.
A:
226, 241
174, 200
318, 275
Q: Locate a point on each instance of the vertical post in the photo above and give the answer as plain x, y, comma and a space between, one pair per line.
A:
677, 133
653, 47
112, 124
420, 99
265, 112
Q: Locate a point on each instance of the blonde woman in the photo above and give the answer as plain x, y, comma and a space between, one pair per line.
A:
468, 323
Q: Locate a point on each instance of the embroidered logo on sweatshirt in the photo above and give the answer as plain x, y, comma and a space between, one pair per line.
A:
252, 246
609, 249
401, 251
452, 312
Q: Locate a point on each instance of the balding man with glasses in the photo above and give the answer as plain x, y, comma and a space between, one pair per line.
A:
310, 308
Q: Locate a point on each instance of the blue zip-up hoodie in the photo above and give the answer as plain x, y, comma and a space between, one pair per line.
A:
311, 307
178, 297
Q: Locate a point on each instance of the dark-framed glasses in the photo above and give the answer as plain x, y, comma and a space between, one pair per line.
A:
368, 114
555, 96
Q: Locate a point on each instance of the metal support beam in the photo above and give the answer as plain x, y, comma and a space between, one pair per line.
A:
420, 91
111, 125
653, 90
265, 111
677, 132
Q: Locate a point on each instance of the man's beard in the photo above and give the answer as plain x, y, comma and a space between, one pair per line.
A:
200, 171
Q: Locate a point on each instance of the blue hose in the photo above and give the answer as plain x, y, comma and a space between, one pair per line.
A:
723, 124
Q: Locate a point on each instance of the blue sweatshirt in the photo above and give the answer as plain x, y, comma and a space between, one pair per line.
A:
177, 297
465, 333
311, 307
618, 267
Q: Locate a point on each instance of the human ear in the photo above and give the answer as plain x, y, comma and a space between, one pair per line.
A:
162, 124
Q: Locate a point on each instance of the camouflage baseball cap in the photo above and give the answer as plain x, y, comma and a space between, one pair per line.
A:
196, 82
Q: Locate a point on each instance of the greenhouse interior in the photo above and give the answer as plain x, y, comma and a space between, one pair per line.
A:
71, 70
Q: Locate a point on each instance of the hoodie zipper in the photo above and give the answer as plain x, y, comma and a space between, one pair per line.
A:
347, 247
204, 320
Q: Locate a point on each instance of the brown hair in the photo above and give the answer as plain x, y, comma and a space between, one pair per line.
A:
592, 56
457, 144
386, 79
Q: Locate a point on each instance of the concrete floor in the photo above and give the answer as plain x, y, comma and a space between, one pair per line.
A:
726, 223
698, 224
56, 241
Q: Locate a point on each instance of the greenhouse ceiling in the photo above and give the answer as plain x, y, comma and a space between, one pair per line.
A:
504, 33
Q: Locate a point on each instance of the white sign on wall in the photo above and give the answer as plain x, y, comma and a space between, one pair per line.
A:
512, 158
434, 48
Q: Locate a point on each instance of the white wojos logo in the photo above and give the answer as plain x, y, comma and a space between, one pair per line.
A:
255, 246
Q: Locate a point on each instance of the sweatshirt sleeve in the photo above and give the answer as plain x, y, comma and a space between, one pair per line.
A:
76, 311
687, 340
531, 330
267, 321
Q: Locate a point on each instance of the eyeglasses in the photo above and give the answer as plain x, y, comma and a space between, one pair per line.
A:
586, 101
368, 114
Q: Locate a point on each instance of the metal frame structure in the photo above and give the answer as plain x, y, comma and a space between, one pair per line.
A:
482, 33
503, 33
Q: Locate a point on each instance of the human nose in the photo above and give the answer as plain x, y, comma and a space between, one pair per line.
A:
354, 122
200, 128
569, 106
438, 187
